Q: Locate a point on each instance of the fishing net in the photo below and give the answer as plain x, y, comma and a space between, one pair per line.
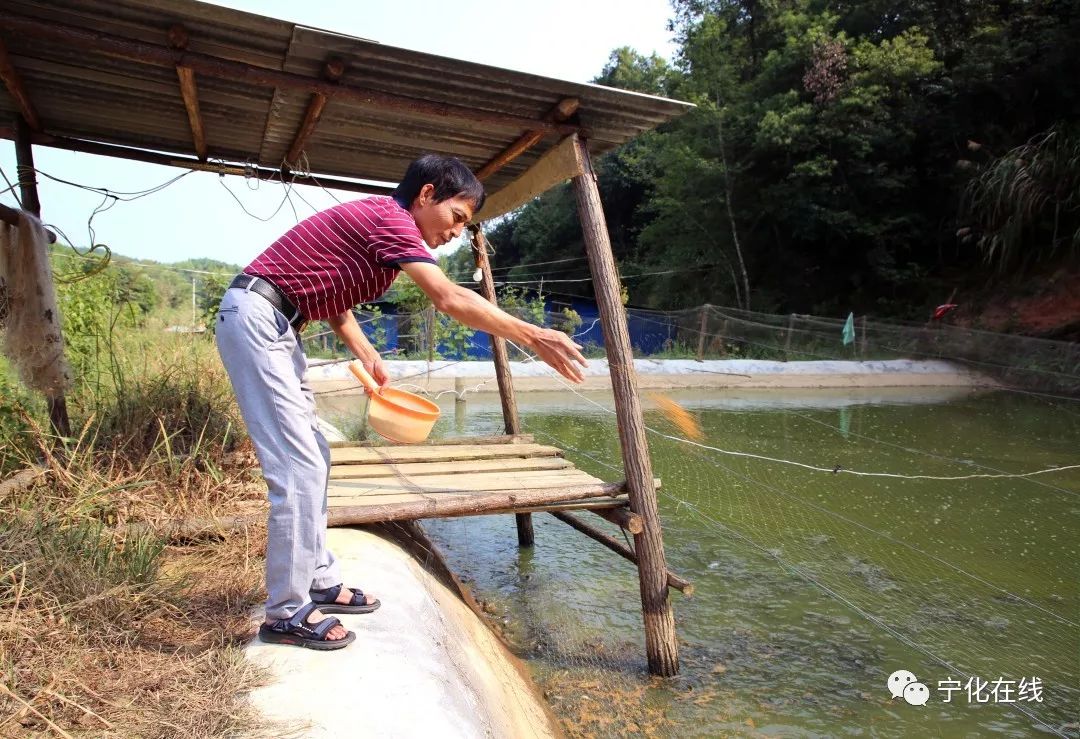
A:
29, 321
833, 538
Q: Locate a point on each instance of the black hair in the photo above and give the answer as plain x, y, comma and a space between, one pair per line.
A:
449, 175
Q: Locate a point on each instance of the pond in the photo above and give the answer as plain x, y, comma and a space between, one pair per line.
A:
812, 588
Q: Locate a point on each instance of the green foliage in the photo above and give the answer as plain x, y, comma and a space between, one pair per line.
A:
519, 302
1026, 203
209, 289
823, 154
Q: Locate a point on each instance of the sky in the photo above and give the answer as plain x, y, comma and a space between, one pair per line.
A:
197, 217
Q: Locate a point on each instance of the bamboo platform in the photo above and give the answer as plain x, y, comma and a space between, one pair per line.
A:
506, 474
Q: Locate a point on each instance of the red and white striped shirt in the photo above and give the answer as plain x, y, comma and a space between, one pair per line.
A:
343, 256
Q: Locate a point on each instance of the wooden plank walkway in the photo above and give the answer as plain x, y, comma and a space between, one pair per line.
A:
370, 484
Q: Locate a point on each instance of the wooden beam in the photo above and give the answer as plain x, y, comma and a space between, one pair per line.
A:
14, 84
624, 518
332, 71
661, 644
466, 505
560, 113
558, 164
226, 69
671, 580
11, 216
187, 162
178, 39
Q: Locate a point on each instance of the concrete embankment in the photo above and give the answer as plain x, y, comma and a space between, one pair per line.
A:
423, 665
664, 374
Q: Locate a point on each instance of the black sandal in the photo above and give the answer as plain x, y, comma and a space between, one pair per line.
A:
302, 633
327, 601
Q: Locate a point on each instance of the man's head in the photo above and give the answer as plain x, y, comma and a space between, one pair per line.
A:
442, 194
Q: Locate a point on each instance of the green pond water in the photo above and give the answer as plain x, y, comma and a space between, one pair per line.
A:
812, 588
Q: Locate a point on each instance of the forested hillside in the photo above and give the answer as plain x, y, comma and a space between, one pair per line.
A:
862, 155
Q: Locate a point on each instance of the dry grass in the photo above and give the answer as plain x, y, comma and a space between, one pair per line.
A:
105, 628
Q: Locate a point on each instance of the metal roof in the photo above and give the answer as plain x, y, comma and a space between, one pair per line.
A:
104, 70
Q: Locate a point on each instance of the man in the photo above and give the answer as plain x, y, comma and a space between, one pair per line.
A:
319, 270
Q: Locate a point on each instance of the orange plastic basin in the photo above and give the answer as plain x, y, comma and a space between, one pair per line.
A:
395, 414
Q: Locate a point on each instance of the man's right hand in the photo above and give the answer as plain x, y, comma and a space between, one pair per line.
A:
559, 351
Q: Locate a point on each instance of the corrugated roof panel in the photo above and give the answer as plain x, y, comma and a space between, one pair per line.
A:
98, 95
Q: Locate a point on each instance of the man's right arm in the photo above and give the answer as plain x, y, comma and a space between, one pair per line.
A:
554, 347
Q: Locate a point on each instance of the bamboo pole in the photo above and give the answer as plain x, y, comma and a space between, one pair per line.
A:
526, 536
26, 174
671, 580
661, 644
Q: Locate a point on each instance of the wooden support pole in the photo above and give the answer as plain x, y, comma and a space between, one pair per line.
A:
562, 111
189, 91
702, 325
671, 580
498, 345
661, 644
332, 71
512, 423
14, 84
862, 337
234, 71
624, 518
187, 162
787, 337
27, 176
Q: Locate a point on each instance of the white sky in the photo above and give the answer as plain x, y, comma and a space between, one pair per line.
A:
196, 217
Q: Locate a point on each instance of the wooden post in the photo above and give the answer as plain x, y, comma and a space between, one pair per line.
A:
502, 371
787, 338
26, 174
703, 324
429, 330
862, 337
661, 645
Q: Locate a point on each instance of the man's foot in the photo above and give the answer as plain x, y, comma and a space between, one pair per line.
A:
308, 627
336, 633
340, 599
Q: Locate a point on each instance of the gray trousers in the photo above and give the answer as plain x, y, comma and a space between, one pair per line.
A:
266, 365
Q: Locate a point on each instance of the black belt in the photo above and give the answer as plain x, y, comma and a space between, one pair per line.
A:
265, 288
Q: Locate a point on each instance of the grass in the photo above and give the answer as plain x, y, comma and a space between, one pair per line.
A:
106, 628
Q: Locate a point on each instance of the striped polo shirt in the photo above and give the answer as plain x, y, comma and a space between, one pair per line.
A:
343, 256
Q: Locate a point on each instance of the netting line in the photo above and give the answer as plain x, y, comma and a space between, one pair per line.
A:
925, 453
821, 509
878, 327
460, 395
798, 571
816, 582
835, 469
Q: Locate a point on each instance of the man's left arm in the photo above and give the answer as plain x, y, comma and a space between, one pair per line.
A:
350, 333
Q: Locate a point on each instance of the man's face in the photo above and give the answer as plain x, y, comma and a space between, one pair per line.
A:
440, 222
